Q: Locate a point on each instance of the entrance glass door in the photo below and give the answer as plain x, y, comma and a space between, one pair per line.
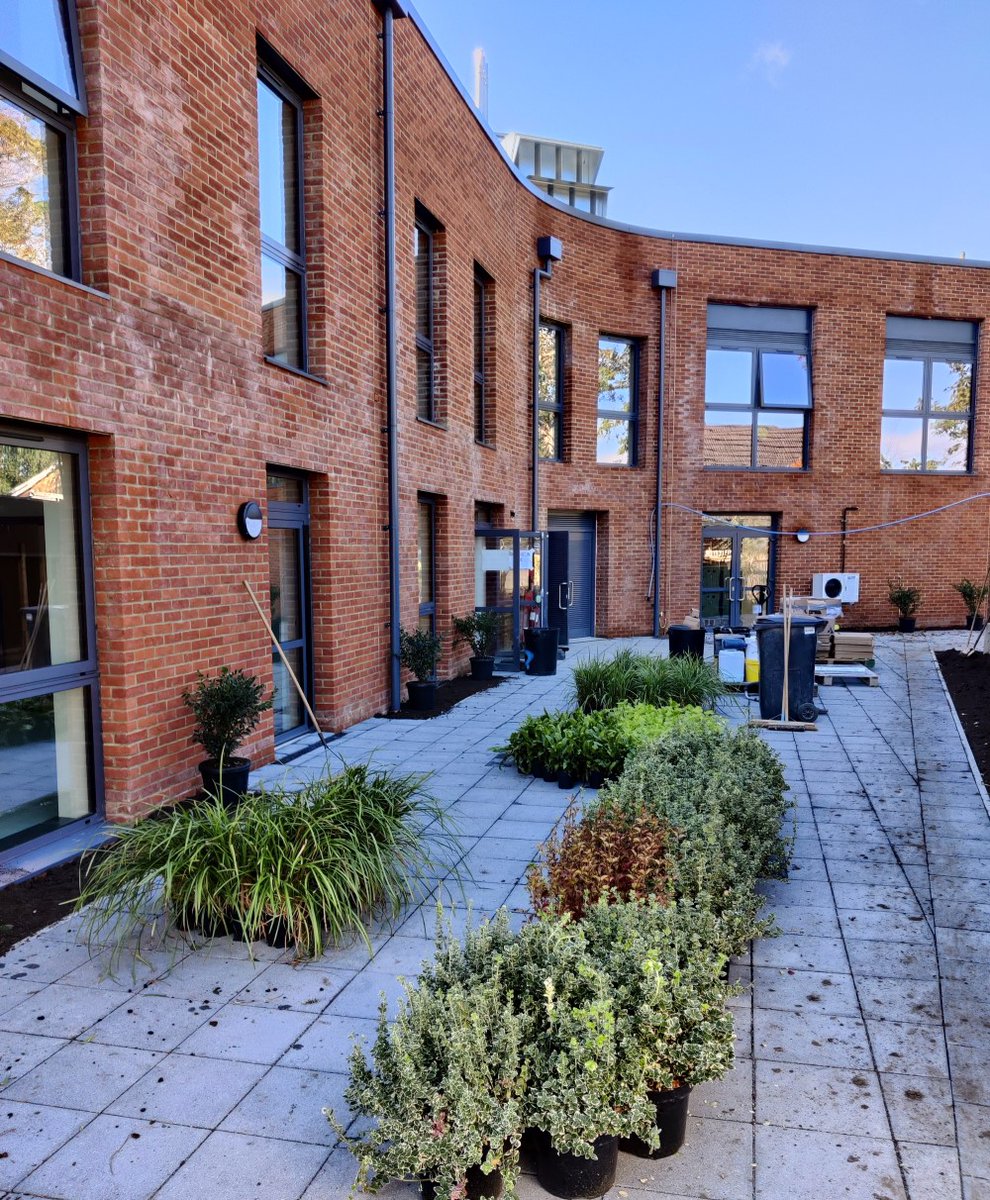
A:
288, 574
737, 568
509, 583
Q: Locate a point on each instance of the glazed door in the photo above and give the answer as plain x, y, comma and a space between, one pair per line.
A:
509, 583
288, 570
737, 561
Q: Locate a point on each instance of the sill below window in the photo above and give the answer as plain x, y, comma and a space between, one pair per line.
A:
922, 474
69, 282
611, 466
763, 470
550, 460
283, 366
432, 424
484, 445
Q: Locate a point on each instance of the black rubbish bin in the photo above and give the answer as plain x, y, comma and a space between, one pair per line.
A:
685, 639
800, 669
542, 644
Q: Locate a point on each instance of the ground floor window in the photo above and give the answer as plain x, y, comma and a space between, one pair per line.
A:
289, 592
426, 563
48, 675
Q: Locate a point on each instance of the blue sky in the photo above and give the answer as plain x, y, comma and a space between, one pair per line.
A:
860, 123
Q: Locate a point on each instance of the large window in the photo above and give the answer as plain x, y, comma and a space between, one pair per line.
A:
48, 759
40, 95
757, 387
618, 406
551, 392
424, 256
283, 241
927, 422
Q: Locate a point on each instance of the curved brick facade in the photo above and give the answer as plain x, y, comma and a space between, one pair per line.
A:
158, 362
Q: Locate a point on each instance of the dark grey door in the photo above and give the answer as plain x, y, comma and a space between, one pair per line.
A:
580, 527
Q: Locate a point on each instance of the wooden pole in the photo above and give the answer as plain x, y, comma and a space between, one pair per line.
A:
786, 707
285, 663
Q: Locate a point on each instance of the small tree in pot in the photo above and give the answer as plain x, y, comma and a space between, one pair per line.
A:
907, 601
974, 597
227, 708
478, 630
419, 651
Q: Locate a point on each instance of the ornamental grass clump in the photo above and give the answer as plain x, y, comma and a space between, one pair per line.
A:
603, 683
443, 1090
316, 863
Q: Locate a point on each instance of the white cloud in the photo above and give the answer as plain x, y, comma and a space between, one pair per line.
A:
770, 59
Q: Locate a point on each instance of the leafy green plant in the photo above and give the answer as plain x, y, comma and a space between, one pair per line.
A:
907, 600
603, 854
443, 1089
321, 860
476, 630
974, 595
603, 683
640, 724
226, 709
420, 650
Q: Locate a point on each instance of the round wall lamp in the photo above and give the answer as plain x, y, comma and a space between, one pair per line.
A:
802, 536
250, 522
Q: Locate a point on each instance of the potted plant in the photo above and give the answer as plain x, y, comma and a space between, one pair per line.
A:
441, 1095
478, 630
907, 601
974, 598
420, 650
226, 709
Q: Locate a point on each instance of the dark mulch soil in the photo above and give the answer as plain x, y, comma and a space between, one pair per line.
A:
37, 902
448, 694
968, 681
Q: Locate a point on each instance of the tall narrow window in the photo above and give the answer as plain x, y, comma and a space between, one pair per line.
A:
757, 387
283, 244
425, 316
927, 422
618, 401
551, 392
426, 567
289, 591
484, 424
40, 96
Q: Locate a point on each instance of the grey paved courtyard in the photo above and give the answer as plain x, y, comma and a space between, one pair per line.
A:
863, 1044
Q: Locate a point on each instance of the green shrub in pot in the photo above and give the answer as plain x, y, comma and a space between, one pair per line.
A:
226, 710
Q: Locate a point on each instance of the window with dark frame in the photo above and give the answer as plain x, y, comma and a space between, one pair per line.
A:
484, 424
283, 238
426, 373
426, 563
927, 419
41, 94
551, 392
758, 397
618, 401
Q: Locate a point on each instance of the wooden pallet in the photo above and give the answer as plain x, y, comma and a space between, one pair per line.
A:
828, 673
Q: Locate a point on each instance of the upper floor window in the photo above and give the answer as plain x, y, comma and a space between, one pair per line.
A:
927, 422
484, 423
425, 236
618, 401
41, 93
551, 392
283, 239
757, 387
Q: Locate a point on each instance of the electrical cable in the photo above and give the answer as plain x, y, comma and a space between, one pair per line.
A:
763, 531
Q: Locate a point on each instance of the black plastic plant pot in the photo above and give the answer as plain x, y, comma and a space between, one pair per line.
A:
906, 624
550, 773
479, 1186
278, 934
672, 1115
974, 622
573, 1177
595, 779
482, 668
565, 779
422, 696
229, 781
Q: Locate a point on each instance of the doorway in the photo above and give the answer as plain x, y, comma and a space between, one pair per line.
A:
571, 574
737, 570
289, 590
508, 575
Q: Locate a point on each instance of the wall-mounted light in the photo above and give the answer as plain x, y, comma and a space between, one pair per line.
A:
250, 522
802, 536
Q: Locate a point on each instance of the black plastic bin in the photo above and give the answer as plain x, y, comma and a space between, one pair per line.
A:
542, 644
685, 639
800, 669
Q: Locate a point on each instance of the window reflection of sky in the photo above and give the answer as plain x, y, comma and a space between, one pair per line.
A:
729, 377
34, 32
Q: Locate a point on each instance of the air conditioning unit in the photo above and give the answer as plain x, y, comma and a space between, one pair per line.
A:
842, 587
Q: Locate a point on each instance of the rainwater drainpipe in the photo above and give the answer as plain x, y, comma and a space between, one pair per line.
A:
391, 9
664, 281
548, 250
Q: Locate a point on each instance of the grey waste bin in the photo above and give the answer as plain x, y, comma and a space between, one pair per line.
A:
685, 639
542, 644
800, 668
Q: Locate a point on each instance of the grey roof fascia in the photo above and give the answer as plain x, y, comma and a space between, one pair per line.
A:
669, 235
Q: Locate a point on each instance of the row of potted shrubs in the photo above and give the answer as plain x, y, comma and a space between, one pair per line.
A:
587, 1028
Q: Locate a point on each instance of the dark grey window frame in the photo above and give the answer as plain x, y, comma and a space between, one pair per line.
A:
84, 672
76, 103
750, 336
287, 514
557, 408
276, 74
632, 416
429, 607
426, 227
482, 283
929, 351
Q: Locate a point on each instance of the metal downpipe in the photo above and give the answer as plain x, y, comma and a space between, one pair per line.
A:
664, 280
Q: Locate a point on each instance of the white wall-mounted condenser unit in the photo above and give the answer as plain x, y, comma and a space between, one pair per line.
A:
840, 586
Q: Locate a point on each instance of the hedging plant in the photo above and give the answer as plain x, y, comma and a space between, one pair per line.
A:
321, 861
226, 709
601, 683
443, 1088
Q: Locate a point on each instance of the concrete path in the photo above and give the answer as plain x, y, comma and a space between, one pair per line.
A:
863, 1045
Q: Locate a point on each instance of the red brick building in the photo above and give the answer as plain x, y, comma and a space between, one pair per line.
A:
194, 286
